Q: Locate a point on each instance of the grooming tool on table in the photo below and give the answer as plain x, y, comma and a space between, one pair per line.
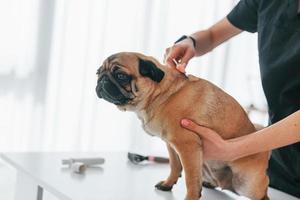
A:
86, 161
79, 165
136, 158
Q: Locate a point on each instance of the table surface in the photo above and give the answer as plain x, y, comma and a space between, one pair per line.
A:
117, 178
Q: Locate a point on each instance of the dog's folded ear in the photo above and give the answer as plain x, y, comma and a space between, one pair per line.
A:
150, 70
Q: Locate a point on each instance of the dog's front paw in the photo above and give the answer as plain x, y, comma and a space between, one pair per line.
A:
164, 186
208, 185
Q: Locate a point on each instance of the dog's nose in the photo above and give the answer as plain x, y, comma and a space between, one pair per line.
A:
109, 91
100, 83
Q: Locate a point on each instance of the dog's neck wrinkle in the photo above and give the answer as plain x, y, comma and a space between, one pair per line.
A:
156, 100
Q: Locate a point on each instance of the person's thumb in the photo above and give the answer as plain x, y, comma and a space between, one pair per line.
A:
202, 131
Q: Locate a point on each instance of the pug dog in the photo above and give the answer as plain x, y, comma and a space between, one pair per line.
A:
161, 96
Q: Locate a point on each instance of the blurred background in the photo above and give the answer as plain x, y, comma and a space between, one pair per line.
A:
50, 51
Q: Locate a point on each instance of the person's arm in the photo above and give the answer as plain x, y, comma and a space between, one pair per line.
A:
282, 133
206, 40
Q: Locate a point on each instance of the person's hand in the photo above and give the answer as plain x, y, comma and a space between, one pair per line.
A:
181, 52
214, 147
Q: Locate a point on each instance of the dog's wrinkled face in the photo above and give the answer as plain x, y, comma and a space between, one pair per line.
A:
124, 78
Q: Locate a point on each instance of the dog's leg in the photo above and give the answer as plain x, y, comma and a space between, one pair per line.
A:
188, 147
175, 173
250, 178
251, 185
265, 197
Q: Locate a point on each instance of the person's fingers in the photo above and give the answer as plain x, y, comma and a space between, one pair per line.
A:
174, 53
167, 51
202, 131
169, 62
186, 57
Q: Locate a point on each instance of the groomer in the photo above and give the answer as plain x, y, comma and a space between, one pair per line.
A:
277, 23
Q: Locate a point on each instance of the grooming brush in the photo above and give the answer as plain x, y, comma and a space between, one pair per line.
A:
136, 158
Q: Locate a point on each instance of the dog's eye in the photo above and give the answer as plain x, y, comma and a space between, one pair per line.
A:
121, 76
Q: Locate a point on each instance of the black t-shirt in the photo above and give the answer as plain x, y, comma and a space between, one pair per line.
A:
277, 23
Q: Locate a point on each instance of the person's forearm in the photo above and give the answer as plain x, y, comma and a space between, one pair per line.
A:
282, 133
206, 40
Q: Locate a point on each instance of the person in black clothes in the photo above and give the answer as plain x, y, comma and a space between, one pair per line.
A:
277, 23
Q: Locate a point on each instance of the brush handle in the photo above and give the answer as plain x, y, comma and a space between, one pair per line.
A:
158, 159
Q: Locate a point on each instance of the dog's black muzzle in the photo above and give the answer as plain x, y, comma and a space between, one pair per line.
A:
109, 91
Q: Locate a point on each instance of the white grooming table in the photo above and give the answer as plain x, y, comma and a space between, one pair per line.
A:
117, 178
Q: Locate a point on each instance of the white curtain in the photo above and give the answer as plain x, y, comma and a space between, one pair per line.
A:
51, 50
